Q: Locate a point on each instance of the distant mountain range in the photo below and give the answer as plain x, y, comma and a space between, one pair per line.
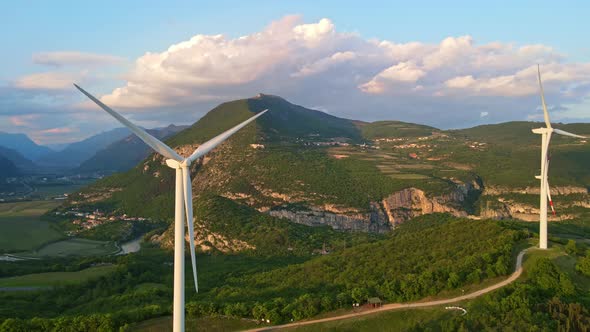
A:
124, 154
7, 168
111, 151
76, 153
24, 145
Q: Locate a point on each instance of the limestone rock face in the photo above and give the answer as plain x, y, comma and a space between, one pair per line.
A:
375, 220
385, 215
411, 202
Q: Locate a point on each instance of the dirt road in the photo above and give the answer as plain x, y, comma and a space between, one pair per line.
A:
394, 306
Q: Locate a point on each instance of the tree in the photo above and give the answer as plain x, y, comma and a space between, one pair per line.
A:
583, 265
453, 280
571, 248
359, 294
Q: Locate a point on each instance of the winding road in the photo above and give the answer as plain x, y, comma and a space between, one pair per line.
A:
395, 306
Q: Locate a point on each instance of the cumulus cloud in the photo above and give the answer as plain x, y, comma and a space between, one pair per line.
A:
327, 67
403, 72
325, 64
450, 83
74, 58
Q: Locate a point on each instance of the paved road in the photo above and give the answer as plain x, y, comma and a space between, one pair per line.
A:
395, 306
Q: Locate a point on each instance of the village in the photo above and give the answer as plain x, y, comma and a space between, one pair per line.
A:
89, 220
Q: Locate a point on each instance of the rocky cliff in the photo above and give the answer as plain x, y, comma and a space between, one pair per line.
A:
374, 221
385, 215
411, 202
562, 190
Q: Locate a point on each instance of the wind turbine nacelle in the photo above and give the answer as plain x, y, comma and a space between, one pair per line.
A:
173, 163
542, 130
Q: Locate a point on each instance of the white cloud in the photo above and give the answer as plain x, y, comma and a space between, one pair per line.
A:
404, 72
49, 80
325, 64
74, 58
445, 84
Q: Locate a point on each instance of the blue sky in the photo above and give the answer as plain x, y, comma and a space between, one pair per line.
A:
129, 29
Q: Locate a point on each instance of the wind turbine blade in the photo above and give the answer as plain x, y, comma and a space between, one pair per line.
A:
565, 133
150, 140
215, 141
549, 197
547, 185
545, 113
188, 205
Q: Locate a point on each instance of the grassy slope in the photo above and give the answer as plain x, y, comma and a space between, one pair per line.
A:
513, 156
382, 129
56, 278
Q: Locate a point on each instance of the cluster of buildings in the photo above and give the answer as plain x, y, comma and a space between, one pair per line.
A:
89, 220
389, 140
476, 145
413, 146
331, 143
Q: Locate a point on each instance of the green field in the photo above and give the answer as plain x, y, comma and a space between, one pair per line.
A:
199, 324
73, 247
57, 278
21, 227
402, 320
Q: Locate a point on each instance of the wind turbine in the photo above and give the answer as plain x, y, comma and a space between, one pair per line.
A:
545, 194
183, 197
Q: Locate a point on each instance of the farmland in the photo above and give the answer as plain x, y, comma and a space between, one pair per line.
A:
21, 227
56, 278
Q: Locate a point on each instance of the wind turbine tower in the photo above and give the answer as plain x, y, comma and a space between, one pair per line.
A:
183, 199
545, 193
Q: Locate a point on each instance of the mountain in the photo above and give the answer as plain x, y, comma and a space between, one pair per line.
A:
24, 145
20, 162
307, 167
124, 154
7, 168
76, 153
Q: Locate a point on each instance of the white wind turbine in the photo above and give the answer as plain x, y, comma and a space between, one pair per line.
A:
183, 197
545, 194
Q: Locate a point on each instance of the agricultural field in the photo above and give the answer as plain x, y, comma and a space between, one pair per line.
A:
73, 247
21, 227
50, 279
